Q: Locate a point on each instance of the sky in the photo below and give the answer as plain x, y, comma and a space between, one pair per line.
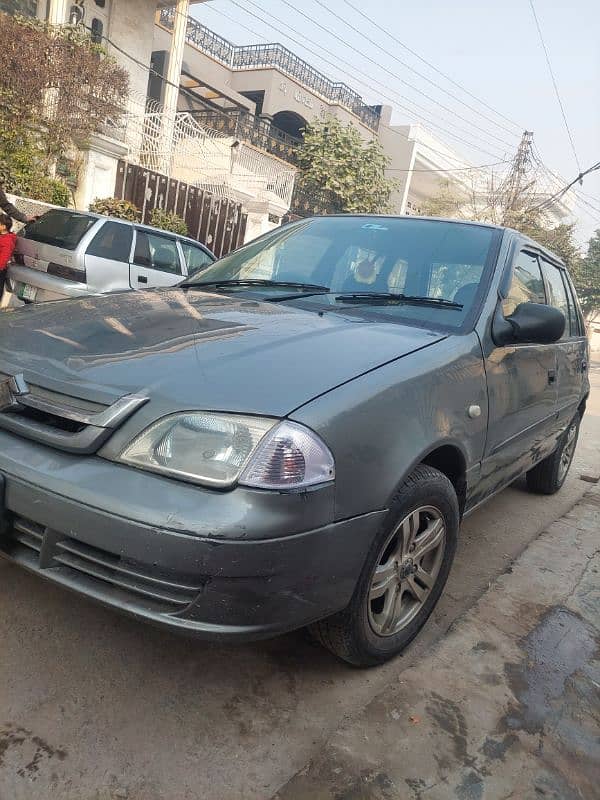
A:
492, 49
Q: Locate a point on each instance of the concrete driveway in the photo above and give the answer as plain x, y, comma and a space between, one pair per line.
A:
95, 706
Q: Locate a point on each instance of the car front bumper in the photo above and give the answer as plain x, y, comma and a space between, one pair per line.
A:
237, 587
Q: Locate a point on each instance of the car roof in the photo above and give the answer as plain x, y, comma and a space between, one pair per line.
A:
527, 240
136, 224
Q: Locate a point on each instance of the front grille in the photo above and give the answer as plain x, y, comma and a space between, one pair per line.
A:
59, 420
44, 548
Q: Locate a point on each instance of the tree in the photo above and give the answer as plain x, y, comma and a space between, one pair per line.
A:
490, 204
343, 171
56, 88
587, 276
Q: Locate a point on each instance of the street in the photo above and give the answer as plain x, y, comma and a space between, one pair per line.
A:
96, 706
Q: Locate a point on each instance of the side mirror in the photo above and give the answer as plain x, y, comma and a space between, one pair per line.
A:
533, 323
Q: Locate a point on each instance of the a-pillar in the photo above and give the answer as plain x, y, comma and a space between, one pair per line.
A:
58, 12
171, 96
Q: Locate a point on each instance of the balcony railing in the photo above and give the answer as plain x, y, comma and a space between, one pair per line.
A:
245, 126
273, 56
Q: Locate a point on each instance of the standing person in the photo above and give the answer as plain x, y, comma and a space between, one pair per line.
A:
9, 209
8, 239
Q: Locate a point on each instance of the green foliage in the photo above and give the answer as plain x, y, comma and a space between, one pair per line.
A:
586, 275
344, 171
56, 88
111, 207
168, 221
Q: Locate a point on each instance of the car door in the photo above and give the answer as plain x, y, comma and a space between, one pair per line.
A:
156, 260
571, 349
107, 257
522, 391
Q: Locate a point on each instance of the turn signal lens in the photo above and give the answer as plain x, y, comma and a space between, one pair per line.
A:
290, 456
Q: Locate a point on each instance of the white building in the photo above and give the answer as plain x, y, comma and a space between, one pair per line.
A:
227, 118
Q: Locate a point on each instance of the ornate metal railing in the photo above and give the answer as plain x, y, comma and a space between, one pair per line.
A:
273, 56
248, 128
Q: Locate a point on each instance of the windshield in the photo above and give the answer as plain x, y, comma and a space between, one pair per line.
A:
429, 271
59, 228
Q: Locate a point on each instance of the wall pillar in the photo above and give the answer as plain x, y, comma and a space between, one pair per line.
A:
98, 173
58, 11
173, 77
408, 179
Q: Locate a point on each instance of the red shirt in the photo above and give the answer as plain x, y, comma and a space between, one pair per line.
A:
7, 245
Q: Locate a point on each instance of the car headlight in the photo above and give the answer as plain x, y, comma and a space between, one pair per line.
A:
222, 449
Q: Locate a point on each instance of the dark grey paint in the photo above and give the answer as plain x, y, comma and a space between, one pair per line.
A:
382, 395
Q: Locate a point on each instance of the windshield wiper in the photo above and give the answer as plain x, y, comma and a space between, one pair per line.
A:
250, 282
391, 298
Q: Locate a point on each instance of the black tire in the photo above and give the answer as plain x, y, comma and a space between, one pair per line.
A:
350, 634
548, 476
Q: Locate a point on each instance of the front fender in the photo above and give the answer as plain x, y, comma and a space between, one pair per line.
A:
380, 425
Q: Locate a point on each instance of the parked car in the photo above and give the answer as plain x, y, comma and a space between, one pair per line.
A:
292, 436
67, 253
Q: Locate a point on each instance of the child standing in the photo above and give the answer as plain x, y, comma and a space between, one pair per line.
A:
7, 245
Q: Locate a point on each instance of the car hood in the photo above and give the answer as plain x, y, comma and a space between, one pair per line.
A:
191, 349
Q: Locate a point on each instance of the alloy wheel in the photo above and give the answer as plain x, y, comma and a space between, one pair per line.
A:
406, 570
567, 453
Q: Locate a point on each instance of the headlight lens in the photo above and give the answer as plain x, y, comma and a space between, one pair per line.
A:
220, 449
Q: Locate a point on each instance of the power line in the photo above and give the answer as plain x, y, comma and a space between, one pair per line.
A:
435, 69
407, 66
551, 71
343, 41
562, 192
453, 169
354, 73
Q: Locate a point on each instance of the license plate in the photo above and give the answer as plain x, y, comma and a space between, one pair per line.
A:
26, 292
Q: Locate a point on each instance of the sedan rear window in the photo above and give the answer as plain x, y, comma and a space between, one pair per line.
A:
59, 228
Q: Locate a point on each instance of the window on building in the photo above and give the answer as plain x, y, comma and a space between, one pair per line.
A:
526, 286
97, 32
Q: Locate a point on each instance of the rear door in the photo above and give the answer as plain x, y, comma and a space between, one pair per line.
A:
107, 257
571, 349
156, 260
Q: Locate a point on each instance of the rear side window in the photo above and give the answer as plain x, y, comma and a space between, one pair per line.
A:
59, 228
156, 252
113, 241
526, 286
195, 257
557, 295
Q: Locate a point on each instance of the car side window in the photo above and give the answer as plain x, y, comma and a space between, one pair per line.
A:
195, 257
156, 252
526, 286
113, 241
557, 294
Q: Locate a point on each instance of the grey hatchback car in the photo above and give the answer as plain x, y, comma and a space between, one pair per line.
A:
291, 437
66, 253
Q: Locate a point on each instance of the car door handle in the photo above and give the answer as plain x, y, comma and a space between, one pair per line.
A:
551, 376
142, 279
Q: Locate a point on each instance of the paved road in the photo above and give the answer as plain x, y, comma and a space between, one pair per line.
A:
94, 706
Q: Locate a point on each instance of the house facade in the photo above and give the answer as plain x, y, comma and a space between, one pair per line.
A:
227, 118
